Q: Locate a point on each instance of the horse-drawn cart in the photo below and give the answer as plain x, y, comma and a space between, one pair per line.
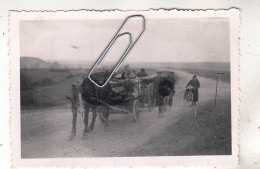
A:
130, 97
119, 96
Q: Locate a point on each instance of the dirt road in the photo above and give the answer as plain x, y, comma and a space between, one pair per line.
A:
46, 132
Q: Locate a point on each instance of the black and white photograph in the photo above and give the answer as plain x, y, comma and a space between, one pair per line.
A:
126, 86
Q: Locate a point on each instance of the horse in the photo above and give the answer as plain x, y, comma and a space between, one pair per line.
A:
94, 98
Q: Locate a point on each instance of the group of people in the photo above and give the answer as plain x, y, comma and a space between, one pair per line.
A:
163, 86
130, 73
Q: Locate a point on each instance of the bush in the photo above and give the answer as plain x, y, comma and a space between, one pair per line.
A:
70, 76
25, 83
47, 81
60, 70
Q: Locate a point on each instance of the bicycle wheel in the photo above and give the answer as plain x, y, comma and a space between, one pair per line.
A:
191, 98
186, 99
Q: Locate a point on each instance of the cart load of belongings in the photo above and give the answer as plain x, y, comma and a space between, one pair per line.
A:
126, 88
113, 93
130, 87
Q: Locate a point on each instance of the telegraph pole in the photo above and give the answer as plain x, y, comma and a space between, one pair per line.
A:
219, 73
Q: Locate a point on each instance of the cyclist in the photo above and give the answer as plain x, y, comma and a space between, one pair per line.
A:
195, 84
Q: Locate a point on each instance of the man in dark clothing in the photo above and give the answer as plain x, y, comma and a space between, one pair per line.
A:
172, 79
195, 84
142, 73
158, 96
161, 89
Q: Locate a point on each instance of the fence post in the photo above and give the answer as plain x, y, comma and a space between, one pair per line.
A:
219, 73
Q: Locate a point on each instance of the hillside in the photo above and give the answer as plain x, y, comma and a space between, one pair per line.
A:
36, 63
220, 66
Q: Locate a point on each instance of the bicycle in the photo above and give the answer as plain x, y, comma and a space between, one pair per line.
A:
188, 95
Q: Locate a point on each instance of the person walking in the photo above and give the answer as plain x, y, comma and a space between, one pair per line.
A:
195, 84
158, 96
172, 80
161, 89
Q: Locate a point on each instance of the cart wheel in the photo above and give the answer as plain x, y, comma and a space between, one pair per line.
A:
136, 110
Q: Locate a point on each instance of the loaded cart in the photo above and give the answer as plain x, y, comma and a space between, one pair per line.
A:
131, 97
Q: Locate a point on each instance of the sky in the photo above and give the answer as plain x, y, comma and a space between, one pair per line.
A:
164, 40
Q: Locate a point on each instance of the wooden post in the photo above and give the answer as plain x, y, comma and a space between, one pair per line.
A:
216, 91
219, 73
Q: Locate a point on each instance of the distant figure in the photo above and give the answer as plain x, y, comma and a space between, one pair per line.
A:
195, 84
142, 73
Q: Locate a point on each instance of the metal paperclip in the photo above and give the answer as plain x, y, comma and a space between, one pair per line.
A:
123, 57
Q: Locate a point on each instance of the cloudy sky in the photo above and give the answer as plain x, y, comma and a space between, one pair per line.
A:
164, 40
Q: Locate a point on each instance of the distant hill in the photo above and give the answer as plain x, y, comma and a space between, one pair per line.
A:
75, 64
221, 66
33, 62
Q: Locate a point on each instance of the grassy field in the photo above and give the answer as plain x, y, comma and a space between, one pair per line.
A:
209, 133
40, 77
46, 87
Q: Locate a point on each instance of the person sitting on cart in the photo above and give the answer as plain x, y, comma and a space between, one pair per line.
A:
142, 73
195, 84
128, 73
127, 85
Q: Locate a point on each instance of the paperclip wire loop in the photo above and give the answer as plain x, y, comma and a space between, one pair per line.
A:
122, 57
99, 61
121, 27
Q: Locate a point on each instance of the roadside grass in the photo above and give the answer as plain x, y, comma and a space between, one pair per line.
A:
47, 77
209, 133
